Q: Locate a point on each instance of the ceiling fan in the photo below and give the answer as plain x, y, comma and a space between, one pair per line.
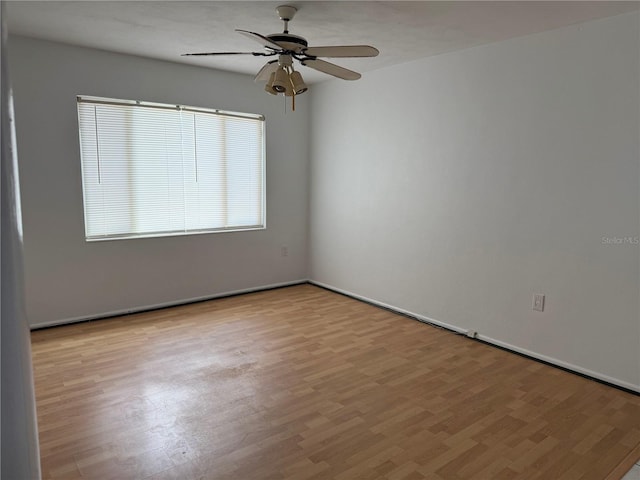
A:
279, 73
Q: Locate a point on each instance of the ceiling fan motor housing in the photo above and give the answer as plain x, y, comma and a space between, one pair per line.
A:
288, 41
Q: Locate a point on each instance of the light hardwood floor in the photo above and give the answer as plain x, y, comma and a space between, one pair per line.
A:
302, 383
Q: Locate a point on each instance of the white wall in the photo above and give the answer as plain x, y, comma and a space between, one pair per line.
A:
67, 278
457, 186
19, 453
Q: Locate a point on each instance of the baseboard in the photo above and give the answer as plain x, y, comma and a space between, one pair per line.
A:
563, 365
635, 389
158, 306
623, 467
422, 318
392, 308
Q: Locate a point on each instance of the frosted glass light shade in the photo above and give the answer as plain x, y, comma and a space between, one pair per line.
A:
298, 83
281, 80
269, 86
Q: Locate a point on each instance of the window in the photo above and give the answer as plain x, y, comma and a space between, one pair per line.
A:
153, 170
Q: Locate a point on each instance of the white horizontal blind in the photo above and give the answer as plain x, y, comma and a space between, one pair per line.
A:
151, 170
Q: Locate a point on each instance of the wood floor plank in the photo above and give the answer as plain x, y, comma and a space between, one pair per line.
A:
302, 383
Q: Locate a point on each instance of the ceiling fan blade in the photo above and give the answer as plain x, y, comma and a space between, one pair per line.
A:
342, 51
264, 41
255, 54
266, 71
331, 69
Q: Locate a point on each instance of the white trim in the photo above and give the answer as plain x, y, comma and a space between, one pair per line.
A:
175, 303
490, 340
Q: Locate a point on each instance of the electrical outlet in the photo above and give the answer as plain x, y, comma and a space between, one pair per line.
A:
538, 302
472, 334
284, 251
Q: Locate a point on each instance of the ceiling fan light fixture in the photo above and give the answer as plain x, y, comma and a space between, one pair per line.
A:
298, 83
281, 80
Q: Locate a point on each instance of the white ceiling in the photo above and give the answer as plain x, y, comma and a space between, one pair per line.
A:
402, 31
